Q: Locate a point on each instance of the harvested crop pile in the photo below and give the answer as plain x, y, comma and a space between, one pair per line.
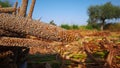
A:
7, 10
7, 41
34, 45
103, 52
10, 34
101, 33
23, 25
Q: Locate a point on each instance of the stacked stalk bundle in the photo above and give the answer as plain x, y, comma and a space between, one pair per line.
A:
7, 10
24, 25
10, 34
37, 45
22, 42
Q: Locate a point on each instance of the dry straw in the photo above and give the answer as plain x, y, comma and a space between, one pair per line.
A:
24, 25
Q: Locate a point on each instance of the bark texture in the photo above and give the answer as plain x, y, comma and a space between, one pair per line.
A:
10, 34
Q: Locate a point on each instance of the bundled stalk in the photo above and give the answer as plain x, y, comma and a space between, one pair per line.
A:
23, 8
8, 41
10, 34
31, 9
23, 25
40, 46
5, 54
15, 6
7, 10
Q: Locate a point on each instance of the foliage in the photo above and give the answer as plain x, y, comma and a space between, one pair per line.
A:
5, 3
90, 27
52, 22
83, 27
112, 27
99, 13
66, 26
94, 26
75, 26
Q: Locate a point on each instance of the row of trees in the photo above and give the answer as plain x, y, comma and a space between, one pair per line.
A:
5, 4
101, 13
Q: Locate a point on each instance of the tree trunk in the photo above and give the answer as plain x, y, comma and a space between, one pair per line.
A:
102, 24
23, 8
25, 26
31, 9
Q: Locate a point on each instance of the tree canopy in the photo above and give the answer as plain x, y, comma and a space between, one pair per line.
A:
99, 13
5, 3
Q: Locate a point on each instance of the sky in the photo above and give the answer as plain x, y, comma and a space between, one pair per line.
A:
64, 11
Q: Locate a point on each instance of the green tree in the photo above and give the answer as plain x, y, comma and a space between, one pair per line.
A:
5, 3
99, 13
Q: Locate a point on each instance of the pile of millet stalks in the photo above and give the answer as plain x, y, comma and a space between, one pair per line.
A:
17, 32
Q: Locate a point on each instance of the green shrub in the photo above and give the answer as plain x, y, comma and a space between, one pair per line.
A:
93, 26
87, 27
5, 3
112, 27
65, 26
75, 26
83, 27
